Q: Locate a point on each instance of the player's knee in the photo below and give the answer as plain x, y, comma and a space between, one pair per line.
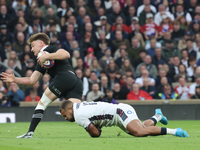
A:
95, 135
138, 133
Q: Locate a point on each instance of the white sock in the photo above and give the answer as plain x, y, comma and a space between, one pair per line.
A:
171, 131
158, 117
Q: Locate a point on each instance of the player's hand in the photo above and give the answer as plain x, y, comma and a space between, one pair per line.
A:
42, 59
8, 77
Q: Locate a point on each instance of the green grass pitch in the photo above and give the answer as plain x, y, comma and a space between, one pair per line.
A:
66, 135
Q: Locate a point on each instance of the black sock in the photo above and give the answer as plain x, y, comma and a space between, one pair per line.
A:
36, 118
163, 131
154, 120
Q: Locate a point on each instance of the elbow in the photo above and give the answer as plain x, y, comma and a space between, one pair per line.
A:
95, 135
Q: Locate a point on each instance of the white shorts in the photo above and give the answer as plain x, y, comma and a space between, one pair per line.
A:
125, 114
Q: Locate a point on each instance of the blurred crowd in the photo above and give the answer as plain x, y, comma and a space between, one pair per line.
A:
121, 49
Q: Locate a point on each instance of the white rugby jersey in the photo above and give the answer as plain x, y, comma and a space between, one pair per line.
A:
98, 113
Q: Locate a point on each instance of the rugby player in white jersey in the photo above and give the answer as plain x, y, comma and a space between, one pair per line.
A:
94, 115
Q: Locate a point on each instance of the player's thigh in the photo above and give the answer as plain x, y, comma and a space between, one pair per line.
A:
49, 94
63, 83
76, 92
125, 114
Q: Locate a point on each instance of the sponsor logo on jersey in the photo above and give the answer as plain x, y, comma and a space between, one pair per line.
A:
129, 112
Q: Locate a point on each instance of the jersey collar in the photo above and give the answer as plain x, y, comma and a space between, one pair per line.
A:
43, 48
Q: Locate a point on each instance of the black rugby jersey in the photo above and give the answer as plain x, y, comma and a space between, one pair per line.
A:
60, 66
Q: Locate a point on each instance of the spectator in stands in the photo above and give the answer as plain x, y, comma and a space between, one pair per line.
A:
182, 73
162, 73
171, 50
137, 94
81, 3
80, 17
119, 20
125, 89
93, 79
101, 52
80, 64
135, 49
79, 73
96, 18
31, 66
165, 26
104, 61
105, 26
104, 84
143, 14
162, 11
111, 66
127, 64
158, 57
194, 28
13, 56
6, 18
197, 93
87, 42
2, 88
68, 42
7, 101
148, 88
150, 29
142, 55
19, 45
145, 74
119, 40
126, 10
123, 55
14, 91
19, 5
109, 97
177, 33
116, 91
33, 5
5, 52
115, 13
182, 43
5, 35
182, 90
95, 66
180, 12
184, 55
112, 78
168, 93
193, 86
32, 97
190, 48
95, 93
89, 57
176, 63
52, 31
134, 25
47, 5
192, 62
131, 14
167, 36
150, 67
35, 88
141, 8
75, 56
196, 43
63, 8
151, 50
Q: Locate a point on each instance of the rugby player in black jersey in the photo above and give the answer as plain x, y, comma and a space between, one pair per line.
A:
65, 82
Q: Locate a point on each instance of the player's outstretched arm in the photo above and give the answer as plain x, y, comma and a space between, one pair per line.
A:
93, 131
25, 80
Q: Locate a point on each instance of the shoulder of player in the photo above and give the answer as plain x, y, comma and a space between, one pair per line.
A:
49, 48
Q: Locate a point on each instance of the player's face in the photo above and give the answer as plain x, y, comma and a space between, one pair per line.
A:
68, 115
36, 47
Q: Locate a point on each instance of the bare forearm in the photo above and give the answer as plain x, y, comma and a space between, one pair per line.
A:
24, 80
61, 54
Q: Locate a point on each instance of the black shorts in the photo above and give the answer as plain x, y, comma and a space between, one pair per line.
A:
67, 84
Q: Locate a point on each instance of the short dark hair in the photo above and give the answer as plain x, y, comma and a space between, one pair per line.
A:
65, 104
39, 36
191, 59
